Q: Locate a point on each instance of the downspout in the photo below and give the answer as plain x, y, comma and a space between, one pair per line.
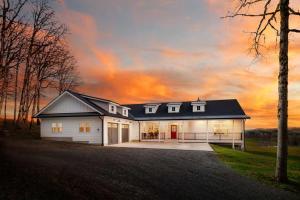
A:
102, 130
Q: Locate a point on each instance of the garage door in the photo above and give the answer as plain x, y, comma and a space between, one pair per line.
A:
125, 133
112, 133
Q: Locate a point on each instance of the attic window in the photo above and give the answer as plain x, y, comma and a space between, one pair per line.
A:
198, 107
174, 107
151, 107
112, 108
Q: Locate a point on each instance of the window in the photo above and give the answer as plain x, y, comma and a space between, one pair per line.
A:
125, 112
198, 107
173, 108
150, 110
112, 108
56, 127
84, 127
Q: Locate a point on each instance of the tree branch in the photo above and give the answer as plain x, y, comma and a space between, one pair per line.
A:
294, 30
293, 12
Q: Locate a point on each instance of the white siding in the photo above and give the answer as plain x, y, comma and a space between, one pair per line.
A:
70, 129
68, 104
132, 133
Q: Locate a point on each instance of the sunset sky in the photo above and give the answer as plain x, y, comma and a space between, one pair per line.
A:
135, 51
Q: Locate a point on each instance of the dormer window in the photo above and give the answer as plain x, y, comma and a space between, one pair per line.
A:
174, 107
112, 109
198, 106
151, 108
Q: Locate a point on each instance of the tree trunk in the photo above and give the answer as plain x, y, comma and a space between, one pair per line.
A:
16, 93
282, 140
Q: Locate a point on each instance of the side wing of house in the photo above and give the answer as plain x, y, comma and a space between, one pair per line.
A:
71, 119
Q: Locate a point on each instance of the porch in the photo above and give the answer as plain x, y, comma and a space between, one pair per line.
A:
166, 145
229, 131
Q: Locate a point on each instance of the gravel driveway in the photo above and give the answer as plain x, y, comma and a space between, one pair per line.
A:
34, 169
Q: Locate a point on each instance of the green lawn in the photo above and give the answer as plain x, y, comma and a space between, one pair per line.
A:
258, 161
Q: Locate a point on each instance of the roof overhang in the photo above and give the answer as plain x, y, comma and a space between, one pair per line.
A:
193, 117
87, 114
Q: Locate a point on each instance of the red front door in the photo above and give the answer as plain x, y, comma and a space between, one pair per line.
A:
173, 131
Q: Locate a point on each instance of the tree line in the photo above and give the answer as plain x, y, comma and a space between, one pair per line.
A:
34, 56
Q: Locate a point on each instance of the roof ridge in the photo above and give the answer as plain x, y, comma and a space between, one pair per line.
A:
166, 102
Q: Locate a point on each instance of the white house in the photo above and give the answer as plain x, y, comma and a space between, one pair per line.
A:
82, 118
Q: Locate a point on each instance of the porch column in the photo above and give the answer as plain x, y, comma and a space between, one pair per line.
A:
243, 136
158, 131
232, 135
183, 130
206, 131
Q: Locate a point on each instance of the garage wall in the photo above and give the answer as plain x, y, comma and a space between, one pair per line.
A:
70, 129
119, 121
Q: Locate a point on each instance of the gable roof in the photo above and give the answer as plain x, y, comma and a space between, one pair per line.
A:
214, 109
87, 101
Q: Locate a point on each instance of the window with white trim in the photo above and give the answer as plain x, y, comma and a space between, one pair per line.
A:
173, 108
84, 127
56, 127
198, 107
150, 110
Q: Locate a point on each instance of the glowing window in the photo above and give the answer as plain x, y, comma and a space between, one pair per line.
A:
84, 127
56, 127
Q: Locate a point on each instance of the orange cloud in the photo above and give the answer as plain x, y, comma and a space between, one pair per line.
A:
226, 71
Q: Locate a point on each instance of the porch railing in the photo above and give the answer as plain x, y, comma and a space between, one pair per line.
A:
153, 136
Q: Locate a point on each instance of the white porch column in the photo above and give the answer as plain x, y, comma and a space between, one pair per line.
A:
232, 129
158, 131
206, 131
183, 130
243, 136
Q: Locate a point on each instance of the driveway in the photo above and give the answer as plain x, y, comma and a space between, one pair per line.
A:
34, 169
166, 145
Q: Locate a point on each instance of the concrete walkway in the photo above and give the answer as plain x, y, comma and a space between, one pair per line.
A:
166, 145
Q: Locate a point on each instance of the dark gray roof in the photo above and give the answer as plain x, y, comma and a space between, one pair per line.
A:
87, 100
214, 109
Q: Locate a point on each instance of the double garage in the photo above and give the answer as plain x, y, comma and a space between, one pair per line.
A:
113, 133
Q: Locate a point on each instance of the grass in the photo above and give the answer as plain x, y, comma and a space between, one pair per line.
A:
259, 161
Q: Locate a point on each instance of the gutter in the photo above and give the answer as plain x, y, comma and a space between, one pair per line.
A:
193, 117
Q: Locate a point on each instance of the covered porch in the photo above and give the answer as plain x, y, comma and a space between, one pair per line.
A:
226, 131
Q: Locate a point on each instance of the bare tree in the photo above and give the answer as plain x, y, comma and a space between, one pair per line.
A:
34, 54
45, 31
271, 10
11, 41
67, 77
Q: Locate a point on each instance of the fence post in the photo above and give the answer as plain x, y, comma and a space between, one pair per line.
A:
233, 146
